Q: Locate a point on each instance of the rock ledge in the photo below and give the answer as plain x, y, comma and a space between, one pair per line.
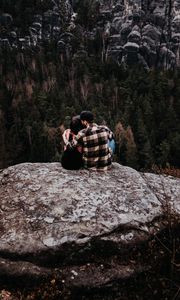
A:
65, 221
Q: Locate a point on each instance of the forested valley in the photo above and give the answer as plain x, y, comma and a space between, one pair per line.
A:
43, 86
39, 95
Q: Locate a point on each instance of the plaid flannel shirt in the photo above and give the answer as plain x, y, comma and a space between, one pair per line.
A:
94, 140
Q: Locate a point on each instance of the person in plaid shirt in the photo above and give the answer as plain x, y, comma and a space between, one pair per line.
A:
94, 141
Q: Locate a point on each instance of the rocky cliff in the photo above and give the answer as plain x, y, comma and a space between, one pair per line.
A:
129, 32
87, 227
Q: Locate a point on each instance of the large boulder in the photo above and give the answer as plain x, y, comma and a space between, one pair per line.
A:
76, 222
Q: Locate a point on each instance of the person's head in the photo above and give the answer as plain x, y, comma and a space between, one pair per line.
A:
76, 124
86, 117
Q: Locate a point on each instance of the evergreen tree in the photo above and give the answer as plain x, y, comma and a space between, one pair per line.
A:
145, 154
131, 149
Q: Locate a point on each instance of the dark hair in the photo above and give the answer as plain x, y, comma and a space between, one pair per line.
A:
87, 116
76, 124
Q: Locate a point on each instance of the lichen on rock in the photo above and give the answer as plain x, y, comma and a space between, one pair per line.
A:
51, 217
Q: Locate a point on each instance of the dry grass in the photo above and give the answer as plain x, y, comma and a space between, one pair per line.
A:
169, 170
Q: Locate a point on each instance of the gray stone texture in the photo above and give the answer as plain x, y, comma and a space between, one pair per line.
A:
58, 220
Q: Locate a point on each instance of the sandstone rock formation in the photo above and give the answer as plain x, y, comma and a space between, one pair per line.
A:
148, 24
80, 224
152, 28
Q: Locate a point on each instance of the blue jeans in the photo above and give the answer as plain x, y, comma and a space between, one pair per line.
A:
112, 145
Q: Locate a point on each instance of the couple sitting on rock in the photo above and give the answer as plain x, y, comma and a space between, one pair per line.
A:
87, 144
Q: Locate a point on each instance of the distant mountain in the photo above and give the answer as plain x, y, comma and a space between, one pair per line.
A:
128, 32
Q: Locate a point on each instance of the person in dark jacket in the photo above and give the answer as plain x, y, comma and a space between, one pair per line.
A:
72, 156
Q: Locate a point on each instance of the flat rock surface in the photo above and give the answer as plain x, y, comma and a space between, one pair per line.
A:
47, 209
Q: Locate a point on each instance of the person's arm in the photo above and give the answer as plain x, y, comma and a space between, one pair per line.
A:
78, 139
65, 136
110, 133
